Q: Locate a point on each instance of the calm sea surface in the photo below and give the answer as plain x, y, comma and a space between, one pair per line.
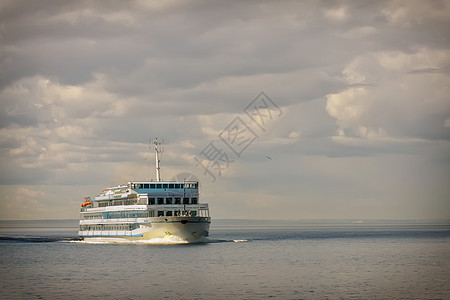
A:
241, 260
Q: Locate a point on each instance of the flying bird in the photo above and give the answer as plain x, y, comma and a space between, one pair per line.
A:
268, 157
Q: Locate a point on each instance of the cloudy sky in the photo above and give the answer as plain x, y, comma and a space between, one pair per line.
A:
362, 129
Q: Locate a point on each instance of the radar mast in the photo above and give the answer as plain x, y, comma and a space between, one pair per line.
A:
158, 150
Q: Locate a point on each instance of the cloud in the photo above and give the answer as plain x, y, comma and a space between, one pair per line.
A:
358, 32
337, 14
394, 101
407, 13
85, 85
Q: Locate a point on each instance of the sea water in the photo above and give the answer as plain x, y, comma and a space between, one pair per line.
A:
239, 260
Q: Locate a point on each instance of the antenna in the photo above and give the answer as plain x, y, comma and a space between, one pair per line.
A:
158, 150
184, 195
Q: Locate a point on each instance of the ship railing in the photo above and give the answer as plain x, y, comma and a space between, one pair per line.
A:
113, 221
113, 196
178, 206
157, 206
109, 233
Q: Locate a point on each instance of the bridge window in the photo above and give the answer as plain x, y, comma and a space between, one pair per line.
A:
194, 200
140, 185
177, 185
185, 200
171, 185
160, 200
169, 213
158, 185
151, 201
168, 200
146, 186
165, 185
177, 200
160, 213
152, 185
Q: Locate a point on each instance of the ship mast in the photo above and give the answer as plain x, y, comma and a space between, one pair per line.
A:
158, 150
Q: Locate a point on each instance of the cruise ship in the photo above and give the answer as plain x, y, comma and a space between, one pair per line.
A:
144, 210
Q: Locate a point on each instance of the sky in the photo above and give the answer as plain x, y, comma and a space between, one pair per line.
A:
281, 109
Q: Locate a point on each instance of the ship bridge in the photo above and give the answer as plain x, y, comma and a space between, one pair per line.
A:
166, 192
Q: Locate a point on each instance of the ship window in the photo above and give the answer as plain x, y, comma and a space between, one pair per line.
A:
152, 185
151, 201
171, 185
177, 200
141, 185
194, 200
165, 185
181, 185
146, 186
160, 200
160, 213
177, 185
158, 185
185, 200
169, 213
168, 200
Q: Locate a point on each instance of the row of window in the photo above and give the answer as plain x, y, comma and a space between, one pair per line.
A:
170, 213
170, 200
164, 185
151, 201
120, 215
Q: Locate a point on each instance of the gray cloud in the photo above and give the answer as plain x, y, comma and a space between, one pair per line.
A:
84, 84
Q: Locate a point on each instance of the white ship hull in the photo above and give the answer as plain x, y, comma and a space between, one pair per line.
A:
184, 228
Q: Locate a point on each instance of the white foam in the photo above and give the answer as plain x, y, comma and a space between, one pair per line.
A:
167, 240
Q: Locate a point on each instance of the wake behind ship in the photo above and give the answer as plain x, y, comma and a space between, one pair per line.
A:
143, 210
